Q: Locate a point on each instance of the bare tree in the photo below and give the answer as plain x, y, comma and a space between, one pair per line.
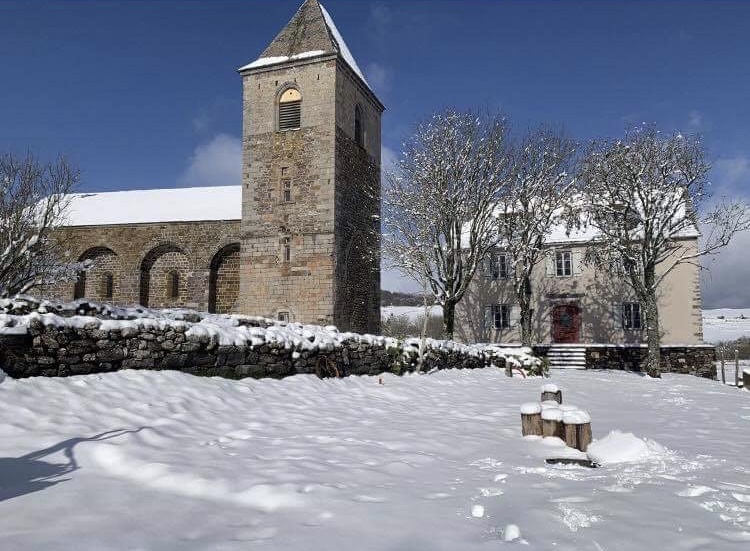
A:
33, 202
534, 202
439, 203
645, 197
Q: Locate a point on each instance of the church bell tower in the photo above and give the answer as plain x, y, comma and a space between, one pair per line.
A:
310, 180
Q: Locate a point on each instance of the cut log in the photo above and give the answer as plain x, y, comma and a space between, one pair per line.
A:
577, 429
531, 419
583, 436
551, 392
571, 438
552, 423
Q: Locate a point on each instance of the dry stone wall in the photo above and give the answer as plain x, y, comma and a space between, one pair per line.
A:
51, 341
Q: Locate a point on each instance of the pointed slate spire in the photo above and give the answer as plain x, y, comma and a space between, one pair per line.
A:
306, 32
310, 32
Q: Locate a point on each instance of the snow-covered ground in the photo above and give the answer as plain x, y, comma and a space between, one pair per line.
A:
166, 461
726, 324
411, 312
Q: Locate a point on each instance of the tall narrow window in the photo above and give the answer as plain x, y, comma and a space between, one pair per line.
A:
173, 284
286, 190
286, 249
283, 316
564, 263
290, 110
359, 132
498, 266
107, 285
631, 315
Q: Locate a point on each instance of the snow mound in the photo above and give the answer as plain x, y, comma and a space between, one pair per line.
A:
552, 414
576, 417
550, 387
530, 408
622, 447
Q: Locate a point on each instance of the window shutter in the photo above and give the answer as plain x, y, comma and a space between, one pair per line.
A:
489, 321
550, 263
290, 115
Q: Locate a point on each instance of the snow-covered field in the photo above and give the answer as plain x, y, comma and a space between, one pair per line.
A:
411, 312
140, 460
726, 324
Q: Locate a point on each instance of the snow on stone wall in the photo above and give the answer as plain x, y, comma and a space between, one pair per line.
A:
60, 339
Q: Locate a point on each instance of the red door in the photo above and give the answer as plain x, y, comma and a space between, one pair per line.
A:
566, 323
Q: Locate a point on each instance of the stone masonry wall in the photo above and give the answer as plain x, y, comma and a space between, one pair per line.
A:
695, 360
302, 285
139, 256
62, 351
357, 225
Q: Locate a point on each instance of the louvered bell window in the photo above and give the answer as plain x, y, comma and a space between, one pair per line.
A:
290, 110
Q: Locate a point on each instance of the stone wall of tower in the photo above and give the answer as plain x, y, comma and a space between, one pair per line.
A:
269, 284
357, 224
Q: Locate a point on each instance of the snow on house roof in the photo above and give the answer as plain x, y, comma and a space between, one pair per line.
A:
142, 206
310, 33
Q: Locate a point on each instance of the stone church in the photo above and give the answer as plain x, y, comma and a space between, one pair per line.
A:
298, 240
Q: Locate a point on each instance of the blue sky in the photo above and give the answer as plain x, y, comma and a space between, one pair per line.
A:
146, 94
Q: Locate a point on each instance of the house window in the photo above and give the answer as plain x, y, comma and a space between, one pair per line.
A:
286, 249
563, 263
631, 315
290, 110
173, 284
107, 285
286, 190
499, 266
283, 316
359, 133
497, 316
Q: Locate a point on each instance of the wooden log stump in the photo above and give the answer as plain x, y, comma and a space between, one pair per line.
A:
531, 419
552, 423
577, 429
551, 392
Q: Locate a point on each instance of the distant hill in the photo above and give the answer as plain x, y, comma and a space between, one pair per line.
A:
395, 298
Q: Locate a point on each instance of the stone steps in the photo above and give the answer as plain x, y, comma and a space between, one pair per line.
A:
567, 357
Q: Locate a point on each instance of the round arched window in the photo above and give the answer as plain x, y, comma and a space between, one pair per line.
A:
290, 109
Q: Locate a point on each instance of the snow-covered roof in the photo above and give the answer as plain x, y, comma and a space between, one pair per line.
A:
274, 60
141, 206
310, 33
343, 48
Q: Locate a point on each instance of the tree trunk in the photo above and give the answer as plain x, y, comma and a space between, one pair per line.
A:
524, 302
449, 314
653, 339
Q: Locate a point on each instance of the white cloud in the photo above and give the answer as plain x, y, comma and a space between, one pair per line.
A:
724, 282
695, 120
217, 162
729, 172
379, 77
388, 159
